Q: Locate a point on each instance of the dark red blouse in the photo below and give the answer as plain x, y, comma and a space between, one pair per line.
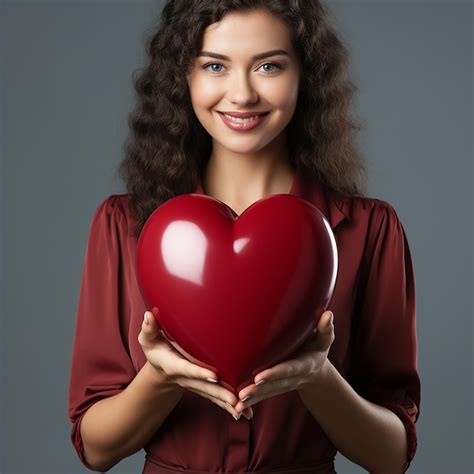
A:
375, 347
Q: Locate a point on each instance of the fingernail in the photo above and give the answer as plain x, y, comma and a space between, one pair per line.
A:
260, 382
332, 318
146, 319
246, 398
236, 417
211, 380
250, 416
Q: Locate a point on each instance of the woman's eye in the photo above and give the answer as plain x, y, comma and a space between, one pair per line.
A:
212, 64
271, 64
266, 64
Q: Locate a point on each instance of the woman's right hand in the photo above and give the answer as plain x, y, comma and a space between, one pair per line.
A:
177, 369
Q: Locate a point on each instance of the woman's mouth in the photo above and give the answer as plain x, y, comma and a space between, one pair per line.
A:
242, 125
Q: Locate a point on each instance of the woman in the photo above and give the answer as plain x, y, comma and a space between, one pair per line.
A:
354, 387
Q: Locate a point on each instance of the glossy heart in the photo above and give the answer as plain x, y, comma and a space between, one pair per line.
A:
237, 294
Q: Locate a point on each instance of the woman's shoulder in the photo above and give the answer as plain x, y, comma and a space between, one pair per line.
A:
367, 203
113, 205
365, 209
113, 210
115, 201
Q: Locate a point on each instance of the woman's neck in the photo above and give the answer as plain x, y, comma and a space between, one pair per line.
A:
239, 180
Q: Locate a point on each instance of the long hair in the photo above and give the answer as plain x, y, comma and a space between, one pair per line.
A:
167, 150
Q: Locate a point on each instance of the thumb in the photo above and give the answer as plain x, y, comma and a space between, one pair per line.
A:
325, 325
149, 334
150, 325
154, 327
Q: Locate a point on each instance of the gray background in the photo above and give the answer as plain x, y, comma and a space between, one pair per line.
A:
65, 81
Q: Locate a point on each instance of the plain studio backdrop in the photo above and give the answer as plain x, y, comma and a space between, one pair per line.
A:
65, 78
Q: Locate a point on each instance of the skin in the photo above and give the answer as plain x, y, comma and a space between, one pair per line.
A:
246, 166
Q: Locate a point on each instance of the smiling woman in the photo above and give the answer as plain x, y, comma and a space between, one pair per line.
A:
250, 157
243, 99
246, 105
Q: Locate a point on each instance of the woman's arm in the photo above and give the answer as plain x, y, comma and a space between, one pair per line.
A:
364, 411
366, 433
119, 426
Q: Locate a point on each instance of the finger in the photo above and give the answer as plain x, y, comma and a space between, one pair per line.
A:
225, 405
161, 354
276, 387
325, 323
210, 388
150, 331
217, 401
326, 333
196, 371
151, 325
176, 365
226, 397
248, 413
286, 369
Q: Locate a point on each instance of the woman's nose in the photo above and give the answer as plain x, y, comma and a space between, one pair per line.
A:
241, 89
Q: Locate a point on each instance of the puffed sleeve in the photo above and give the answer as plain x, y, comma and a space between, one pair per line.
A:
384, 365
100, 364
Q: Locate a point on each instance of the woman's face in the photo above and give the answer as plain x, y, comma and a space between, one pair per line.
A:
241, 83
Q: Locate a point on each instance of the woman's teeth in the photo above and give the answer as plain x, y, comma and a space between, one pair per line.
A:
242, 120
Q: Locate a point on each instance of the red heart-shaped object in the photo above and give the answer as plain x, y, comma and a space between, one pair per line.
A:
237, 294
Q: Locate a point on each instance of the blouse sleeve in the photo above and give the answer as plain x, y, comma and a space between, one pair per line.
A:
101, 365
384, 366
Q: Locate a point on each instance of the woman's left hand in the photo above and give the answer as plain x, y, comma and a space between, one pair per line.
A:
302, 369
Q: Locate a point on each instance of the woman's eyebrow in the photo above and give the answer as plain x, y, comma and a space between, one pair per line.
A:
275, 52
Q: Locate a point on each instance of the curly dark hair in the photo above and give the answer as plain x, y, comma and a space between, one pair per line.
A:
167, 150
